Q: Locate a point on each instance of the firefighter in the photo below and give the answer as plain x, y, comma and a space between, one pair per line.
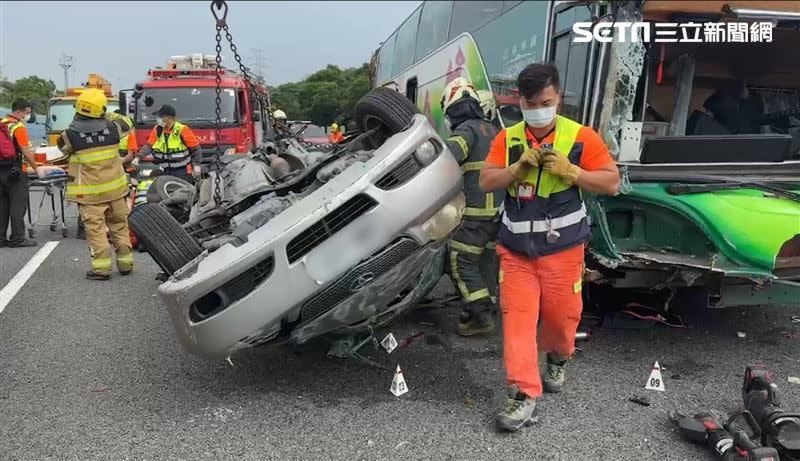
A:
98, 183
470, 140
544, 162
175, 148
127, 148
280, 125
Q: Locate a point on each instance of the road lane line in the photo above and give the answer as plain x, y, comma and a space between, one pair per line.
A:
10, 290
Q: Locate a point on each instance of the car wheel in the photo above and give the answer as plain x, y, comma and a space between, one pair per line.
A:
163, 187
385, 109
170, 246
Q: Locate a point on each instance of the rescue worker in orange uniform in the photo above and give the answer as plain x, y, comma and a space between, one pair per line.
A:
98, 183
174, 146
545, 163
336, 135
13, 180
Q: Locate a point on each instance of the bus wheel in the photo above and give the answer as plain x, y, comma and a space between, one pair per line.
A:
385, 109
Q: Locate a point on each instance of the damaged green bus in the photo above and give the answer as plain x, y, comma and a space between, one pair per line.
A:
705, 127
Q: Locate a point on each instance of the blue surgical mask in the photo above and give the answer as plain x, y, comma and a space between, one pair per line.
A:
539, 118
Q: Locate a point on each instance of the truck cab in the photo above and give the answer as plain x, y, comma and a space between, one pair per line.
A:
61, 109
189, 85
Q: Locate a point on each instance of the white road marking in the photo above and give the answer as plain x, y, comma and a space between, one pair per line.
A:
10, 290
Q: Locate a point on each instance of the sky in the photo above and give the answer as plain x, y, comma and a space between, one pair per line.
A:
121, 40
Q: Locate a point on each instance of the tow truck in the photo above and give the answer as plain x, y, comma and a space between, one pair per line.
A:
188, 84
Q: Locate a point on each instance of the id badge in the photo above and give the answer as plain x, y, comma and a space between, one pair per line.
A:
525, 191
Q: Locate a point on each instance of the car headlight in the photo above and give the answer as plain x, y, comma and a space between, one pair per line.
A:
446, 220
426, 153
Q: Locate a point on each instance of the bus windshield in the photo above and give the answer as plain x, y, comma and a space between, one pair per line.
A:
194, 106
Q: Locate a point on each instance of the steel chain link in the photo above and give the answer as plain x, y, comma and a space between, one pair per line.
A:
222, 7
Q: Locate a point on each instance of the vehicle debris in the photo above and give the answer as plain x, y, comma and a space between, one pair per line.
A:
741, 334
655, 382
795, 319
398, 383
400, 445
641, 400
794, 379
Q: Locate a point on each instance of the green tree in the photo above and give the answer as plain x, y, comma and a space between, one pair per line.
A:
326, 96
32, 88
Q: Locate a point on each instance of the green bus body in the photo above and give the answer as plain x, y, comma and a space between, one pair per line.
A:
742, 246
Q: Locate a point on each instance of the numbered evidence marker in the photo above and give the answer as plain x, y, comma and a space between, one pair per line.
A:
655, 382
389, 343
398, 383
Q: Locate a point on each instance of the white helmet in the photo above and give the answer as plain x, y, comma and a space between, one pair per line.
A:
456, 90
488, 103
279, 115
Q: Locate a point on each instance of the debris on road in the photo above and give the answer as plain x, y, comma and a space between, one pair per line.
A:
398, 383
370, 443
794, 380
795, 319
676, 376
741, 334
641, 400
389, 343
655, 382
582, 335
75, 259
102, 389
400, 445
469, 401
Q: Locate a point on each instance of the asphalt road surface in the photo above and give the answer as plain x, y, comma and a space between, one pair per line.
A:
91, 370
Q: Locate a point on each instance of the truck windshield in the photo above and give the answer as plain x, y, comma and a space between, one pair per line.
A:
194, 106
61, 113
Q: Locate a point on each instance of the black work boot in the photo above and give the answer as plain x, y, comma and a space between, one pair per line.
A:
21, 243
476, 319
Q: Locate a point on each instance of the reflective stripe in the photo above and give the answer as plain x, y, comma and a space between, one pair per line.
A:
471, 166
462, 143
101, 264
93, 157
94, 189
469, 211
524, 227
125, 260
462, 286
476, 250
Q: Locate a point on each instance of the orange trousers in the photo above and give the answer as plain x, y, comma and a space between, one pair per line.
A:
544, 291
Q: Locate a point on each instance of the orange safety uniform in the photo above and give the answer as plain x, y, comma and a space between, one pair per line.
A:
544, 289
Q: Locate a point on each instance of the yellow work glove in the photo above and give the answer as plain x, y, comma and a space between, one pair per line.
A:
559, 165
529, 159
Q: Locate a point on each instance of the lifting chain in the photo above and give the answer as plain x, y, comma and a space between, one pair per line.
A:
219, 9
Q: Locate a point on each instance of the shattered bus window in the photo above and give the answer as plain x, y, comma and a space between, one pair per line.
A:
625, 68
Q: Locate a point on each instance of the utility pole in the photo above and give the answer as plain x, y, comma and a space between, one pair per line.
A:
258, 61
65, 63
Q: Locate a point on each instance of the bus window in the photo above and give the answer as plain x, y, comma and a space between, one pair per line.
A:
572, 61
433, 27
404, 46
469, 16
385, 60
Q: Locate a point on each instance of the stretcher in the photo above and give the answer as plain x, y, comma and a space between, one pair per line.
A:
53, 183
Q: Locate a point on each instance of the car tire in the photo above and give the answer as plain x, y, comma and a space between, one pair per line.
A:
163, 187
385, 109
170, 246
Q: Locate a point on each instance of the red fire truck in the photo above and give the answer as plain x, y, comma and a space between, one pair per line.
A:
188, 84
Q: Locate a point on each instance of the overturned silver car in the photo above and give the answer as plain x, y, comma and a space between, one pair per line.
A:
304, 243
